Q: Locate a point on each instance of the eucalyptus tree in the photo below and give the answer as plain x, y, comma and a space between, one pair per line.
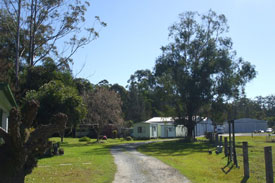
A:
200, 66
140, 95
54, 29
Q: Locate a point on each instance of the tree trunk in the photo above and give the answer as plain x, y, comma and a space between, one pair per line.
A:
190, 130
98, 136
61, 136
31, 35
74, 131
19, 177
17, 44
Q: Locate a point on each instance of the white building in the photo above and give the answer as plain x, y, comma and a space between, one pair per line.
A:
159, 127
6, 103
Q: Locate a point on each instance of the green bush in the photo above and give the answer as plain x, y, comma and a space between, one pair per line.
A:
84, 139
129, 138
60, 151
114, 133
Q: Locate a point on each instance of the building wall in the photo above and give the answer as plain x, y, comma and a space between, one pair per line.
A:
145, 133
181, 131
247, 125
4, 119
153, 134
168, 131
164, 130
204, 127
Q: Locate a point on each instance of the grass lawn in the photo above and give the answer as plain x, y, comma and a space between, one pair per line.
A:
193, 160
81, 163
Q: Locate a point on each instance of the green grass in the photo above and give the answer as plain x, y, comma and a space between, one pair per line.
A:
193, 160
83, 162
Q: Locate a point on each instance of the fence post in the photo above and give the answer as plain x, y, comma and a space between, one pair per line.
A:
216, 139
225, 147
268, 164
245, 159
220, 140
212, 137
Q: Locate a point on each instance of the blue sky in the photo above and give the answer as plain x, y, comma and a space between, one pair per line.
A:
138, 28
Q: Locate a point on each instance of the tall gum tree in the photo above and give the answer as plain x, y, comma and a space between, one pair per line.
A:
55, 29
200, 66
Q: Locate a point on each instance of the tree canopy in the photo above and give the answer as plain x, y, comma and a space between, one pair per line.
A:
104, 108
55, 97
200, 65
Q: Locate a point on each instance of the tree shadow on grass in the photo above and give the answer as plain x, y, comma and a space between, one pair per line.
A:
75, 145
244, 180
227, 168
176, 148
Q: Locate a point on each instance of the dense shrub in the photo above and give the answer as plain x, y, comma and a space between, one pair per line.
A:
114, 133
60, 151
84, 139
129, 138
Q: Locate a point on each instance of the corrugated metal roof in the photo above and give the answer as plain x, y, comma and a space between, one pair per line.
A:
160, 120
172, 120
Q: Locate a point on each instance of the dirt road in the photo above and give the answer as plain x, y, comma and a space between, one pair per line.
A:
135, 167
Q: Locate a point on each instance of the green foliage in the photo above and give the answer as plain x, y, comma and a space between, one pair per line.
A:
83, 85
129, 138
84, 139
128, 124
199, 67
55, 97
39, 38
140, 94
114, 132
43, 74
270, 121
61, 151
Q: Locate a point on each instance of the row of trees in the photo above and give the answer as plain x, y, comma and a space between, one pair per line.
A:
37, 41
197, 74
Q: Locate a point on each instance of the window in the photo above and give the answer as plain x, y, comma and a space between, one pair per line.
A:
170, 129
139, 129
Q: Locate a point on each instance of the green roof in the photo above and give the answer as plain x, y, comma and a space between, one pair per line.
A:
6, 96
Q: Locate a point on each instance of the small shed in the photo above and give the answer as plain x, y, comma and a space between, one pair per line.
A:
204, 126
159, 127
7, 101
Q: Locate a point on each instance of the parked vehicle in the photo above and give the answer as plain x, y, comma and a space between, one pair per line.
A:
258, 131
269, 130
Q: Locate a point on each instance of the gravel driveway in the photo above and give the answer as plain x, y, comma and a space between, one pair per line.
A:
135, 167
